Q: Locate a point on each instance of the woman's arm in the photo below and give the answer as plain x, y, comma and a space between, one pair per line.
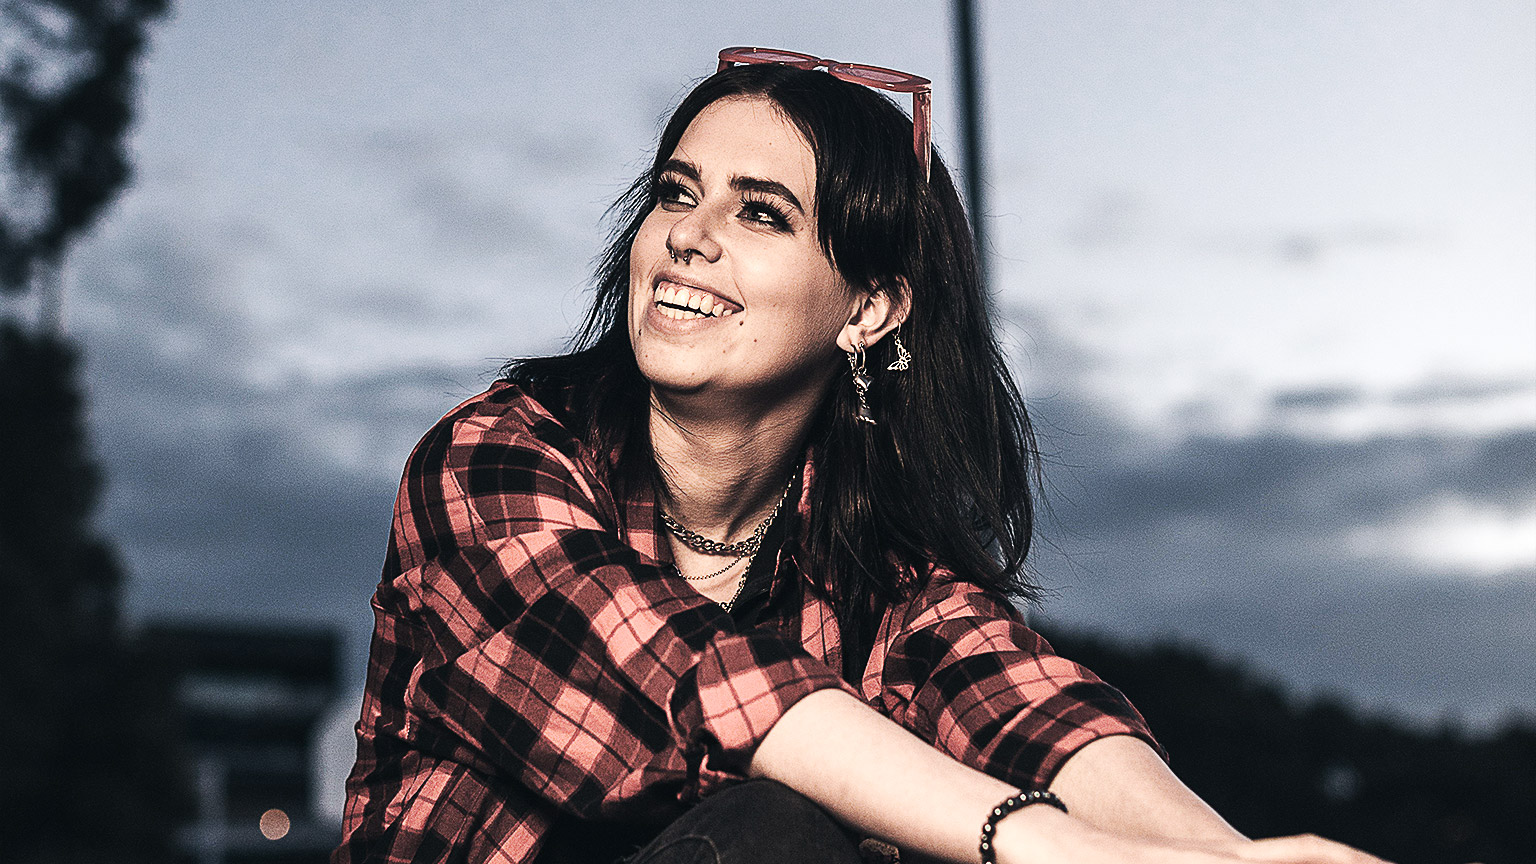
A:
877, 777
1120, 784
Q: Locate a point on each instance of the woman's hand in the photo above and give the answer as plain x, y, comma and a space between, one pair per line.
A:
1120, 786
1036, 835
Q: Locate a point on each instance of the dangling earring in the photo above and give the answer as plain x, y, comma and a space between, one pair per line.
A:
861, 382
903, 360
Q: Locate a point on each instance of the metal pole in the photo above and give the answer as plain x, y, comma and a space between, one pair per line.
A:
972, 166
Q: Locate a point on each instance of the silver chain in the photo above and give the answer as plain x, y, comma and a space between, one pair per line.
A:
741, 548
741, 582
721, 572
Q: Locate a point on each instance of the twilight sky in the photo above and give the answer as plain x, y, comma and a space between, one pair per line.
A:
1268, 273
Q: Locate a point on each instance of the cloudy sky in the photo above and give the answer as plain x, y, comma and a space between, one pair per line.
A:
1268, 273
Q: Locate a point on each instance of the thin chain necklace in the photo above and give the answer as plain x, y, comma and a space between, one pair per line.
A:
741, 581
741, 549
721, 572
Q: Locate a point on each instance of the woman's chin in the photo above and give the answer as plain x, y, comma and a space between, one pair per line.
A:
672, 374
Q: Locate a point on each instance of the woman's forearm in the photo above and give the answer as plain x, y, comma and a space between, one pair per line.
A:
876, 776
1119, 784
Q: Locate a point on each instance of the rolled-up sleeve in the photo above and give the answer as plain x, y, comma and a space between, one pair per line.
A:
552, 652
958, 667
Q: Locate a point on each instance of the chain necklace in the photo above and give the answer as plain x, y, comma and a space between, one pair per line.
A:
721, 572
740, 549
741, 582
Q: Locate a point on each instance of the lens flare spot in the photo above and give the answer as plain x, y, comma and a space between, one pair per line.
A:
275, 824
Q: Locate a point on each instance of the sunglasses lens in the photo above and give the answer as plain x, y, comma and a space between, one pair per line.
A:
768, 55
875, 74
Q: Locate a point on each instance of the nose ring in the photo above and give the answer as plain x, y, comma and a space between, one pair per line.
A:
687, 255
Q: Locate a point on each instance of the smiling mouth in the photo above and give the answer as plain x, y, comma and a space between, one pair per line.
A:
683, 302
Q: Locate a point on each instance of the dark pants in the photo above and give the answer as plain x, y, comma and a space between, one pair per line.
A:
755, 822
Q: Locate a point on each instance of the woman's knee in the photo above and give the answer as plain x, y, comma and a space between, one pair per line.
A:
774, 806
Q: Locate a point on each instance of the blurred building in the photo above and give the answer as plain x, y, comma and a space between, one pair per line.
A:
251, 703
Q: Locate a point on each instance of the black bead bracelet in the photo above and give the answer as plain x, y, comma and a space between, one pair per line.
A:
1017, 802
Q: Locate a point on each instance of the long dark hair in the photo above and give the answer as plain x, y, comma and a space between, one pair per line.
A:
947, 477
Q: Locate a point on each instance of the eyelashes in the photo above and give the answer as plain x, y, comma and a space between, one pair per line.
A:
764, 212
756, 209
668, 191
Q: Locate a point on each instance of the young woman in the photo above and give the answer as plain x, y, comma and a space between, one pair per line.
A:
733, 581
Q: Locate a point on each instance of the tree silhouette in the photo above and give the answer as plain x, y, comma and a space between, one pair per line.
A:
1275, 765
87, 773
66, 98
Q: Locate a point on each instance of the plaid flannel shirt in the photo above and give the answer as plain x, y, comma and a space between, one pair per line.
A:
534, 659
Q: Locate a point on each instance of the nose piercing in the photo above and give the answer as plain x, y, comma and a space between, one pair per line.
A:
687, 255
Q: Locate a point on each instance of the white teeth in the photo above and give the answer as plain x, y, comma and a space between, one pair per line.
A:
681, 302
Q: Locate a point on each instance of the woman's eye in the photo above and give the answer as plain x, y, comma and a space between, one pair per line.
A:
672, 195
764, 213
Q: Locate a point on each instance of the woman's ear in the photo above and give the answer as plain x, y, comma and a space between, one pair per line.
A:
876, 312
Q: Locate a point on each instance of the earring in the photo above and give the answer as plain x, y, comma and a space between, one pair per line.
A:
861, 382
687, 255
903, 360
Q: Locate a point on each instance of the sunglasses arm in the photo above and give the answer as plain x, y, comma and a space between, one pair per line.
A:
922, 129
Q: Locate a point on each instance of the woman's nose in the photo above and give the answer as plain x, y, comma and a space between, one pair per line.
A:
694, 236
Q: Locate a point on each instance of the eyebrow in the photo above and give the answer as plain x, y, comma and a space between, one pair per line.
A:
738, 182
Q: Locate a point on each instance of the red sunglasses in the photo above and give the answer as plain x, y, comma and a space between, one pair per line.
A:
870, 76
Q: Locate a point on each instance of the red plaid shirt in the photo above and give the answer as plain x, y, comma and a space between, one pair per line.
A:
536, 662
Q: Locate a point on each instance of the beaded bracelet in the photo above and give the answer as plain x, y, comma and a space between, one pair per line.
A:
1017, 802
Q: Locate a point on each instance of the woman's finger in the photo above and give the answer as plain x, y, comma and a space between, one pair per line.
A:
1305, 849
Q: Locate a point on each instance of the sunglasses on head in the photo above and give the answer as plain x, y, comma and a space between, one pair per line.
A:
857, 73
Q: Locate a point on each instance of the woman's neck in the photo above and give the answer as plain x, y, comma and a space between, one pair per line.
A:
724, 471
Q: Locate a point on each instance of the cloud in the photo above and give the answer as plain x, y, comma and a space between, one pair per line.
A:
1252, 547
1287, 502
1461, 390
1316, 398
1311, 244
1450, 408
1455, 534
1252, 543
1427, 651
1111, 218
486, 192
241, 485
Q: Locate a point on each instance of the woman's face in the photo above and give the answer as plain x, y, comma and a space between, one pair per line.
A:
751, 305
